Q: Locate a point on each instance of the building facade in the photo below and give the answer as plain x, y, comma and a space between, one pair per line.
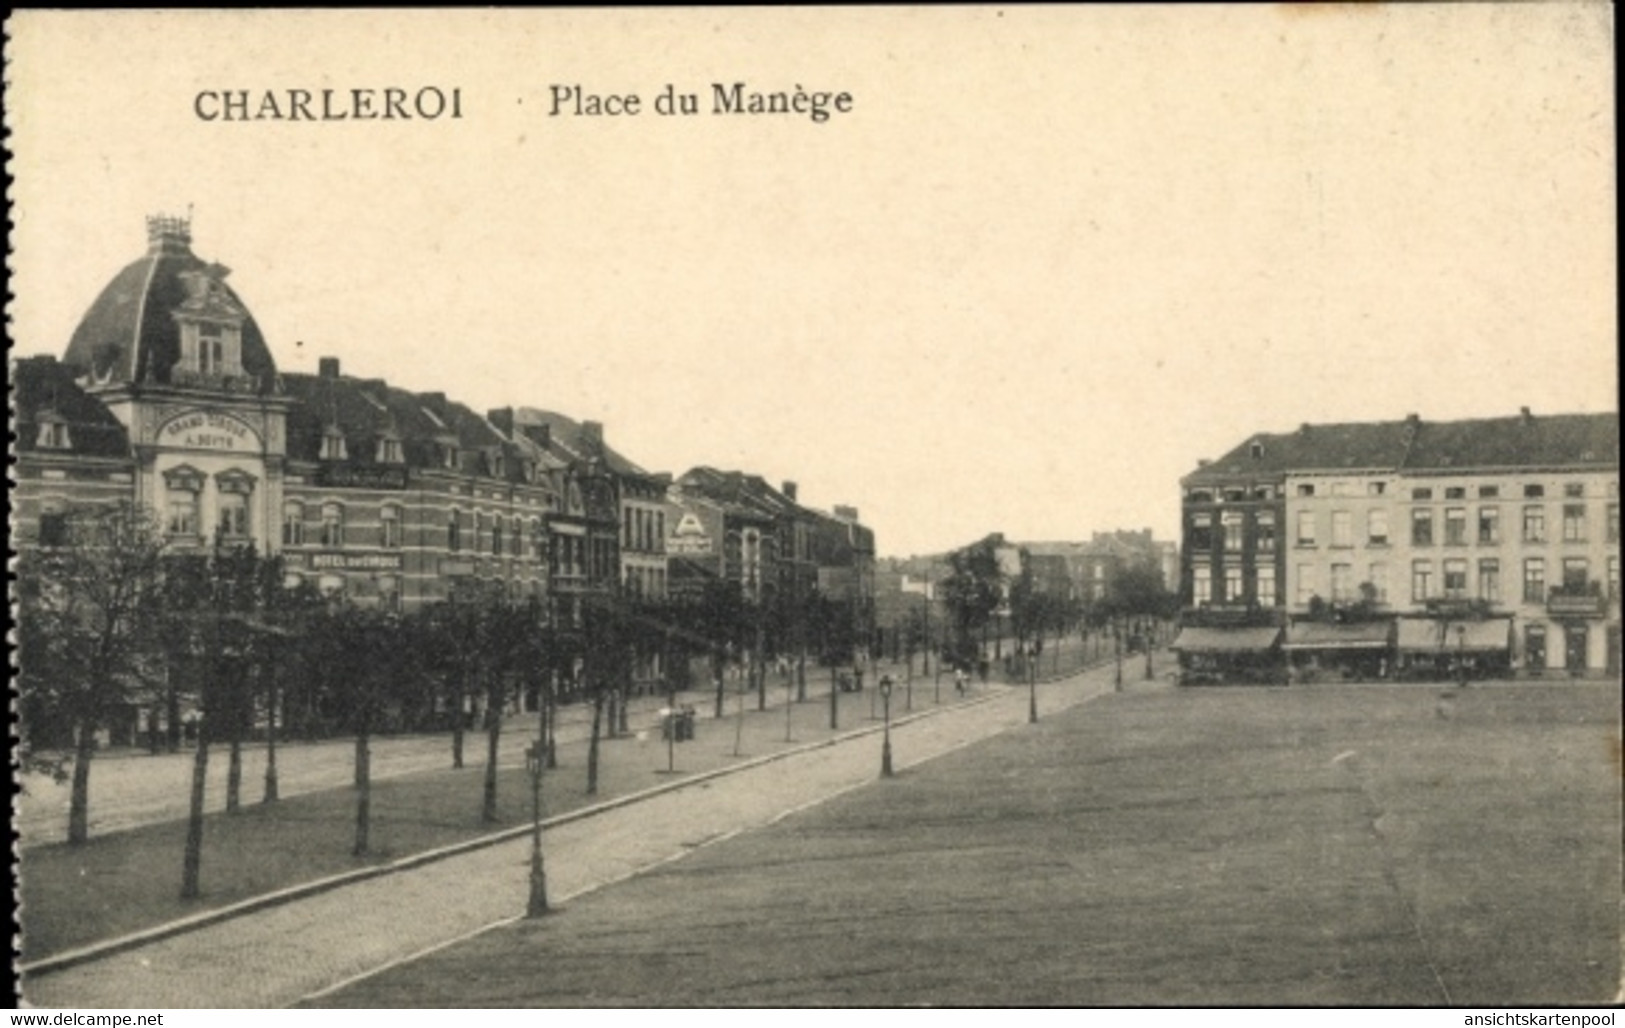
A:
1411, 545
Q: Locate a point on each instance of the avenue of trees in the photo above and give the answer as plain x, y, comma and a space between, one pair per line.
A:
221, 654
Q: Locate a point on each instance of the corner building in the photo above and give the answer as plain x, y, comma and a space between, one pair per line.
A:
1408, 548
168, 398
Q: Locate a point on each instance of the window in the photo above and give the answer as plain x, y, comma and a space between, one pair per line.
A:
181, 513
1201, 584
1574, 490
626, 527
1534, 524
1421, 580
1307, 489
1489, 525
1376, 488
1533, 492
211, 351
1489, 579
1266, 587
1342, 583
53, 432
1376, 527
330, 585
538, 548
389, 524
1613, 578
232, 511
1574, 522
1455, 526
1576, 575
1201, 537
1342, 528
516, 537
1306, 584
1306, 528
53, 528
1455, 492
1200, 496
333, 525
1379, 581
183, 487
454, 531
1422, 494
389, 450
1488, 492
1232, 532
1232, 585
1455, 579
1534, 580
496, 535
1266, 531
389, 594
293, 523
333, 444
1613, 522
1421, 527
476, 528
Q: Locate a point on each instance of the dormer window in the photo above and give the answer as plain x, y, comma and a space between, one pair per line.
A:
495, 464
333, 444
53, 432
388, 450
211, 348
447, 451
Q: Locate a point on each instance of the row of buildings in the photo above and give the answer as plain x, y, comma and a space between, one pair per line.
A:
1484, 546
168, 397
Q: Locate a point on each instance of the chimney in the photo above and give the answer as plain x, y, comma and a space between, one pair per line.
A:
592, 437
541, 435
1413, 419
845, 513
1201, 463
502, 418
1303, 429
327, 367
789, 490
1528, 418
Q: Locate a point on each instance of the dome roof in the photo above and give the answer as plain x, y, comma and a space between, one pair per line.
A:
130, 334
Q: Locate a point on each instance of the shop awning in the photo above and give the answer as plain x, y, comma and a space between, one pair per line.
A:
1226, 640
1419, 635
1314, 635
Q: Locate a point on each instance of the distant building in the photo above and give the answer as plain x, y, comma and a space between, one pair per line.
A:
1409, 545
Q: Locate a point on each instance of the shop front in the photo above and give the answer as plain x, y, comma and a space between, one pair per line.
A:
1318, 650
1243, 654
1440, 649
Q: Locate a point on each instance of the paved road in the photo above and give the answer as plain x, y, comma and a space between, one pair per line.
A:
129, 788
287, 953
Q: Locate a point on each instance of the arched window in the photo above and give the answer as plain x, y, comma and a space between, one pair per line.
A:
293, 523
333, 525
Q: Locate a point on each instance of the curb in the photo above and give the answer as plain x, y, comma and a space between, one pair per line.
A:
203, 919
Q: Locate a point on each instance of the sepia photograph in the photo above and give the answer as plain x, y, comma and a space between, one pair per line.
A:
883, 507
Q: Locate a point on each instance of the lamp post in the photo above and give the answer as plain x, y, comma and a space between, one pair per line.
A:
1117, 651
1145, 637
1032, 690
535, 761
885, 745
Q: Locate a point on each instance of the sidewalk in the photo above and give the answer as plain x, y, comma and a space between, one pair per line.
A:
310, 943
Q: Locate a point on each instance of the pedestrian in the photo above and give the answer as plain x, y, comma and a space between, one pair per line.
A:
959, 680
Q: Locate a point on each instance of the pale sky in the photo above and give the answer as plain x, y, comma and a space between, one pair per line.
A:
1049, 260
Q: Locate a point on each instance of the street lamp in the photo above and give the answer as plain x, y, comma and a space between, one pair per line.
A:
885, 746
1117, 650
1145, 637
535, 761
1032, 690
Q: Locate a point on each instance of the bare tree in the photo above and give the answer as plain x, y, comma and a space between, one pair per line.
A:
86, 612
